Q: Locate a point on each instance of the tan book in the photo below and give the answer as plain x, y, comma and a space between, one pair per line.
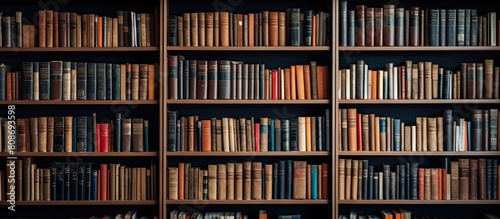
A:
221, 182
352, 130
308, 135
428, 82
268, 193
68, 133
187, 29
431, 134
435, 184
435, 81
114, 32
372, 133
225, 135
414, 81
408, 138
143, 81
201, 29
26, 35
488, 78
135, 81
212, 182
264, 134
299, 179
424, 134
301, 130
463, 178
209, 29
247, 180
251, 29
230, 181
256, 175
439, 125
342, 179
348, 178
377, 133
238, 181
194, 29
300, 82
50, 134
419, 133
282, 28
217, 32
34, 134
173, 174
365, 132
293, 82
427, 183
224, 28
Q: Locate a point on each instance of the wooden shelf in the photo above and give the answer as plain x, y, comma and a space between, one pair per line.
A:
456, 101
246, 154
247, 202
78, 102
80, 49
74, 203
419, 153
80, 154
418, 48
248, 48
418, 202
186, 102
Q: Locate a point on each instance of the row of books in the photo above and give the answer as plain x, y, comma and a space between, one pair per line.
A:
226, 79
392, 25
81, 181
368, 132
464, 179
70, 80
75, 134
70, 29
177, 214
266, 28
398, 213
129, 214
285, 179
303, 133
420, 80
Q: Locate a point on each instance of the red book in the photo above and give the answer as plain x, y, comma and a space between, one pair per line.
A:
104, 182
359, 132
257, 136
98, 139
104, 137
421, 176
440, 184
98, 184
274, 85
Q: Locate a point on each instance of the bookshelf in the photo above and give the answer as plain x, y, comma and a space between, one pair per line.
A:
273, 57
73, 44
356, 42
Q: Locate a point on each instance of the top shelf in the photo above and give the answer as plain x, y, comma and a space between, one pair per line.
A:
418, 48
79, 49
248, 48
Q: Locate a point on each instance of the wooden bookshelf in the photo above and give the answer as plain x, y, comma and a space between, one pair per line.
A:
80, 154
246, 102
79, 49
418, 48
453, 101
78, 102
249, 49
419, 153
79, 203
248, 154
248, 202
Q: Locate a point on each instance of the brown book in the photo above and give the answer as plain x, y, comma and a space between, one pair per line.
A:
34, 134
435, 186
307, 81
143, 81
180, 30
281, 28
247, 180
135, 81
126, 135
62, 34
42, 134
308, 181
137, 135
238, 184
221, 182
268, 194
463, 176
251, 29
78, 33
42, 28
256, 175
273, 28
370, 26
348, 179
482, 179
379, 27
427, 183
360, 25
352, 129
230, 170
206, 140
354, 179
201, 29
50, 28
299, 179
194, 29
488, 78
389, 29
238, 30
151, 81
187, 29
209, 29
300, 82
473, 179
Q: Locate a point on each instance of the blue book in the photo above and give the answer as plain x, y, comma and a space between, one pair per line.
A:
81, 81
116, 82
81, 182
442, 27
396, 123
468, 135
88, 181
343, 23
53, 181
198, 133
81, 133
281, 177
275, 180
146, 135
289, 179
308, 17
295, 27
440, 85
314, 182
94, 185
91, 81
271, 135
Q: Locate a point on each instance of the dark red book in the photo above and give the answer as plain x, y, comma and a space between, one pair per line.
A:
257, 136
103, 182
98, 134
104, 137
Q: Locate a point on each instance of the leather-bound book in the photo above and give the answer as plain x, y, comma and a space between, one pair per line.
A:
221, 182
230, 179
247, 180
256, 175
463, 178
137, 135
473, 179
481, 183
299, 179
238, 181
273, 28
